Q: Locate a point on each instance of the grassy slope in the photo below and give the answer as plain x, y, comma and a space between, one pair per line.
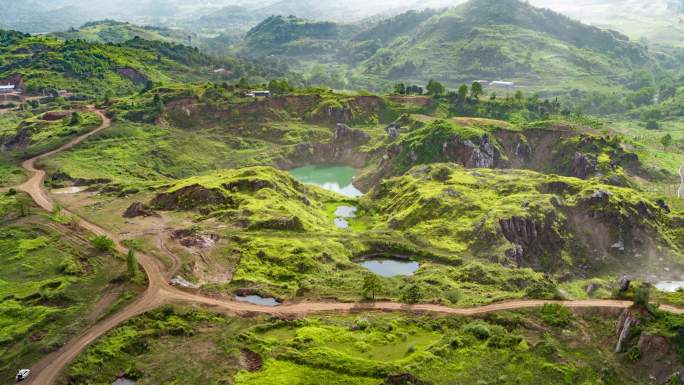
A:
49, 284
92, 69
549, 345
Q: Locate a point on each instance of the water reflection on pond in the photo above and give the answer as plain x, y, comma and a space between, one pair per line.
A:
333, 177
669, 286
342, 213
258, 300
387, 267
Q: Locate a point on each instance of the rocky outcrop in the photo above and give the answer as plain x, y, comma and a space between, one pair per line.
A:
133, 75
624, 283
346, 139
53, 116
342, 148
139, 209
190, 198
286, 224
392, 131
531, 240
403, 379
628, 319
470, 154
190, 238
21, 139
584, 166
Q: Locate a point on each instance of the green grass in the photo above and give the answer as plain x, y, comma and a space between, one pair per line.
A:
48, 285
502, 348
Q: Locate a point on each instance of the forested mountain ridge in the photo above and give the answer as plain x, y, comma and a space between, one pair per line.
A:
481, 39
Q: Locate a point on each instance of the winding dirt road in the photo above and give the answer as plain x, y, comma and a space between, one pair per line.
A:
159, 292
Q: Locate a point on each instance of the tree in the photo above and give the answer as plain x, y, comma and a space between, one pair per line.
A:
519, 96
132, 264
414, 90
158, 103
108, 97
435, 88
102, 243
476, 90
243, 84
411, 294
75, 119
400, 89
666, 141
372, 284
279, 87
642, 296
23, 205
463, 93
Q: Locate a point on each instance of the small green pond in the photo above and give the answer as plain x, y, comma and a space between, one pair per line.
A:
333, 177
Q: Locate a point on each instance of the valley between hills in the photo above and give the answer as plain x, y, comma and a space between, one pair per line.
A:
174, 216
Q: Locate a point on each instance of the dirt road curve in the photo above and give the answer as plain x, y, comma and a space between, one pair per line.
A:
159, 292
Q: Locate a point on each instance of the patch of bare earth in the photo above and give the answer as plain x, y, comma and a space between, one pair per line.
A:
251, 361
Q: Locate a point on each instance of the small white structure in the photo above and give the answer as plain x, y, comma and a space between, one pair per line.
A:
482, 82
7, 88
503, 84
23, 374
256, 94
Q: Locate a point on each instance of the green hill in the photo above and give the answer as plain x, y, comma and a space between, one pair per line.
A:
481, 39
46, 63
111, 31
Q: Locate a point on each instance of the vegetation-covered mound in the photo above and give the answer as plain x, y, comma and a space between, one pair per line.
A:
546, 146
525, 219
254, 197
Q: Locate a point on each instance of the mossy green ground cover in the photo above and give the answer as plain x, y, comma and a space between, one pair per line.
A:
49, 282
549, 345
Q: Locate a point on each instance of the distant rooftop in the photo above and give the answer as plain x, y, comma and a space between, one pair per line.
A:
7, 86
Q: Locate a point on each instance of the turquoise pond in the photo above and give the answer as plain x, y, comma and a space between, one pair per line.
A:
337, 178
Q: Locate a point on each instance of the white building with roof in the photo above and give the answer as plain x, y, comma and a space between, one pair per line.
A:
7, 88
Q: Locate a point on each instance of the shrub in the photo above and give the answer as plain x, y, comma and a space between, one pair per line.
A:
102, 243
441, 173
634, 354
652, 125
478, 329
642, 295
411, 294
556, 315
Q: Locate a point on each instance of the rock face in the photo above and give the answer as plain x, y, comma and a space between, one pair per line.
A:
343, 148
190, 198
133, 75
21, 139
584, 166
531, 240
286, 223
403, 379
139, 209
392, 131
471, 155
346, 140
628, 319
55, 115
623, 283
